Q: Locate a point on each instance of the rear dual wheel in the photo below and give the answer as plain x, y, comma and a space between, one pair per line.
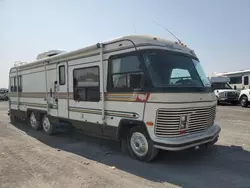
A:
44, 124
34, 123
48, 128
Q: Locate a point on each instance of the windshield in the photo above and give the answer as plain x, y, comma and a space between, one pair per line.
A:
221, 86
175, 72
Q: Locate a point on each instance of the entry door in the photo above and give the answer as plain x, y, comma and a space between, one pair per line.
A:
62, 93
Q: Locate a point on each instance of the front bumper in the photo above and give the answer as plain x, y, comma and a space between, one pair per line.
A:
228, 99
189, 141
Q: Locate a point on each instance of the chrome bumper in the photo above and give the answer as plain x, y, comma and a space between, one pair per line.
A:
189, 141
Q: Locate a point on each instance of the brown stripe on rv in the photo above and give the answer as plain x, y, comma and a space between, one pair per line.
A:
28, 94
126, 97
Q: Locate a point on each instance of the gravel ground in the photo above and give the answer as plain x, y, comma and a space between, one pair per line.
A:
31, 159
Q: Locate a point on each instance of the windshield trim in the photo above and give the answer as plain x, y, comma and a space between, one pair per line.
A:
148, 86
176, 89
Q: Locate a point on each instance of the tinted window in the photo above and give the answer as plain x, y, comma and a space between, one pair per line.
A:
246, 80
12, 84
62, 75
126, 64
20, 82
221, 86
170, 70
126, 73
86, 84
235, 80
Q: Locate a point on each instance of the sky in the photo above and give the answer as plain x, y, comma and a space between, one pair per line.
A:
218, 30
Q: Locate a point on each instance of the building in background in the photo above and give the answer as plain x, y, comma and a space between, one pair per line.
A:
238, 79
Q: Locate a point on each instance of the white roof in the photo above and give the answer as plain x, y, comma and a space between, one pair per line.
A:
219, 79
234, 72
136, 39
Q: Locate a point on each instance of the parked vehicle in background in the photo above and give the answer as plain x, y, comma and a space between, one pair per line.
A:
238, 79
244, 97
223, 91
147, 92
4, 94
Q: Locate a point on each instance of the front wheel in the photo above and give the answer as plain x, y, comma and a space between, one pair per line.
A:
244, 101
140, 146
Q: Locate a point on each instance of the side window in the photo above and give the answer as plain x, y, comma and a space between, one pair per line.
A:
15, 84
236, 80
62, 75
86, 83
246, 80
126, 74
178, 75
11, 84
20, 83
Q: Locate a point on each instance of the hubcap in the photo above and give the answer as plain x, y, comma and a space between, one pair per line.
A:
33, 120
243, 101
139, 144
46, 124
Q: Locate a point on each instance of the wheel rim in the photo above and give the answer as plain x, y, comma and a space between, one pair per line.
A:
33, 121
243, 101
46, 124
139, 144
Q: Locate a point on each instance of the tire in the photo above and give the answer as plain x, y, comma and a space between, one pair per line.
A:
48, 128
33, 121
244, 101
138, 137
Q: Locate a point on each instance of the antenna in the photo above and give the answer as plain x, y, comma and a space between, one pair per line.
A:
168, 31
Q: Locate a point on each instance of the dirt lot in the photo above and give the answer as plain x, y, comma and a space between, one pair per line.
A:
30, 159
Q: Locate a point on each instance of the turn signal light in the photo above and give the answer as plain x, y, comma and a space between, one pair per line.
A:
149, 123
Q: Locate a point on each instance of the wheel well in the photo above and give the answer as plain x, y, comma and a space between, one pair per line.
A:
244, 95
38, 113
125, 125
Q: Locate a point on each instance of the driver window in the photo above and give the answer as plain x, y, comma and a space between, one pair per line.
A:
178, 75
126, 74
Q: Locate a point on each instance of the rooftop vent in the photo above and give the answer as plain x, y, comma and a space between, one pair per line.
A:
49, 54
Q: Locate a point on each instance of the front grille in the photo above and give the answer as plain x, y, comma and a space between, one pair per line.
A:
231, 95
167, 120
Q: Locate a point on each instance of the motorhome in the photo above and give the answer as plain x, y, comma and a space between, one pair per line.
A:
147, 92
223, 91
238, 79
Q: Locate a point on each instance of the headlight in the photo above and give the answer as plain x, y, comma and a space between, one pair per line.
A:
222, 94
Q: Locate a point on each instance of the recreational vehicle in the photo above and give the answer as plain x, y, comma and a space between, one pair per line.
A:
238, 79
147, 92
223, 91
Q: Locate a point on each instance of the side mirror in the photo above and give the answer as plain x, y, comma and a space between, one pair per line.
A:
136, 81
